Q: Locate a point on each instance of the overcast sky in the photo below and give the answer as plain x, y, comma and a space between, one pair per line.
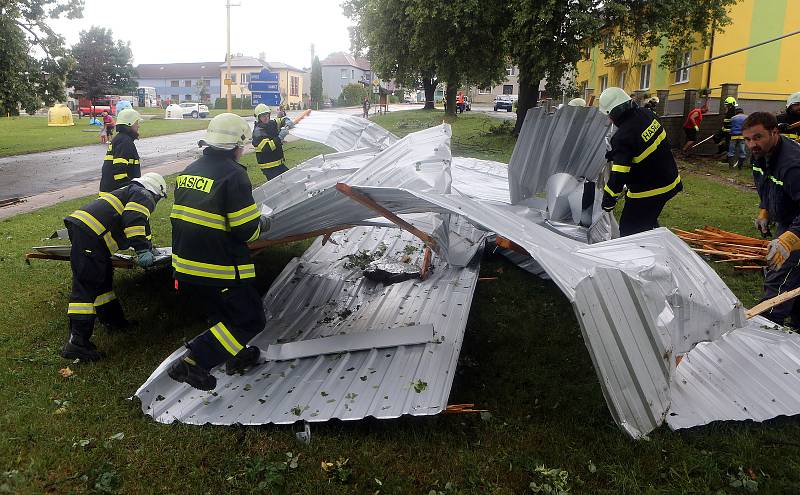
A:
165, 31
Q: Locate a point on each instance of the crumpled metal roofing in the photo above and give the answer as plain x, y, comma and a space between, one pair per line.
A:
318, 295
343, 132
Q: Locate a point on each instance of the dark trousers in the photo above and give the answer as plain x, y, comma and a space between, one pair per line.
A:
776, 282
641, 214
92, 283
236, 315
271, 173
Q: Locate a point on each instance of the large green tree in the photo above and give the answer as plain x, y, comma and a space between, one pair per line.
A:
102, 66
316, 83
432, 40
33, 60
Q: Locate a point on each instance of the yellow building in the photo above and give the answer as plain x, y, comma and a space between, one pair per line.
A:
766, 75
290, 79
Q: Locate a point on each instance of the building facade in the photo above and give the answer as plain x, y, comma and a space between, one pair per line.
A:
766, 75
508, 87
198, 82
340, 69
290, 79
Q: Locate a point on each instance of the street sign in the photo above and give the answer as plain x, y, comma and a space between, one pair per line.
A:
271, 99
264, 88
375, 82
264, 75
376, 89
227, 82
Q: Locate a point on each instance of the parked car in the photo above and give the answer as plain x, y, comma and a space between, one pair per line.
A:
503, 102
194, 110
96, 107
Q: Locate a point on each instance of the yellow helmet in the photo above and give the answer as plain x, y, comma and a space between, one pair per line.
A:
730, 101
128, 116
260, 109
611, 98
226, 131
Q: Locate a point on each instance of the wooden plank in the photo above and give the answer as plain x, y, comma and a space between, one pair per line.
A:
502, 242
771, 303
260, 244
117, 263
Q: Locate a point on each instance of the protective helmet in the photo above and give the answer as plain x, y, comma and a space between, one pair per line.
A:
154, 183
730, 101
653, 100
128, 116
260, 109
793, 98
226, 131
576, 102
611, 98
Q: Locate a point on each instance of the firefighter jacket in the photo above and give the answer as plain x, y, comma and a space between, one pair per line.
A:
268, 145
641, 158
789, 119
726, 120
121, 218
213, 219
777, 177
121, 163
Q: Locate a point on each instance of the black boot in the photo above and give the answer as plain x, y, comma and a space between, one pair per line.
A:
245, 359
79, 346
740, 163
731, 162
113, 318
119, 326
186, 370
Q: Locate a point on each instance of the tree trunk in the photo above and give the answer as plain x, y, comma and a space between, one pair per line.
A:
429, 85
450, 98
528, 98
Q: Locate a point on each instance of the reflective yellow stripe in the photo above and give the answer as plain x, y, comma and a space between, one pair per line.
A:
276, 163
113, 201
123, 161
134, 231
792, 136
199, 217
620, 168
655, 192
776, 181
120, 176
110, 242
255, 235
264, 142
80, 308
736, 138
609, 191
650, 148
108, 157
210, 270
243, 216
105, 298
758, 169
134, 206
133, 162
89, 220
225, 338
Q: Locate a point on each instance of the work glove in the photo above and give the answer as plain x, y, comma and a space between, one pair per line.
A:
145, 258
762, 222
609, 202
264, 222
696, 128
283, 133
779, 250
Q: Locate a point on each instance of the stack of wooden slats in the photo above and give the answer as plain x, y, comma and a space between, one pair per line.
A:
727, 246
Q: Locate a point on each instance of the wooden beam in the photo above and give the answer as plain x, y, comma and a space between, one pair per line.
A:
117, 263
370, 203
502, 242
426, 264
771, 303
263, 243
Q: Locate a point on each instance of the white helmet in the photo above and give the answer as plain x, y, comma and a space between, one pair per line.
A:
154, 183
576, 102
793, 98
227, 131
653, 100
128, 116
611, 98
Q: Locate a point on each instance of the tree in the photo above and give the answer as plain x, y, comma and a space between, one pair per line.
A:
431, 41
102, 66
316, 82
27, 80
353, 94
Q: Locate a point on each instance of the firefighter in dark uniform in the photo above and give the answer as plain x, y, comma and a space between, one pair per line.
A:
791, 117
268, 138
641, 159
723, 136
213, 219
117, 220
776, 159
121, 163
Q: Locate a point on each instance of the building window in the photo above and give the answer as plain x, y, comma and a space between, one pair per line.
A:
343, 73
607, 42
621, 79
485, 91
187, 97
187, 83
603, 82
508, 89
244, 78
174, 84
510, 71
644, 76
682, 76
294, 89
207, 82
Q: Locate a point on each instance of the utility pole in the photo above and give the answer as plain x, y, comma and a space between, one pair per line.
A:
228, 80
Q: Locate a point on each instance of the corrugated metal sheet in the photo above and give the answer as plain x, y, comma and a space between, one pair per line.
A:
571, 140
343, 132
317, 296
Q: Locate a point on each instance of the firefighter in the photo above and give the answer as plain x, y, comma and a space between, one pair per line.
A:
268, 138
117, 220
736, 149
213, 219
723, 136
652, 103
790, 117
641, 159
776, 167
576, 102
121, 162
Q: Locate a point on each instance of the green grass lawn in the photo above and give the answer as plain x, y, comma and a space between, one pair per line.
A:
19, 135
523, 359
